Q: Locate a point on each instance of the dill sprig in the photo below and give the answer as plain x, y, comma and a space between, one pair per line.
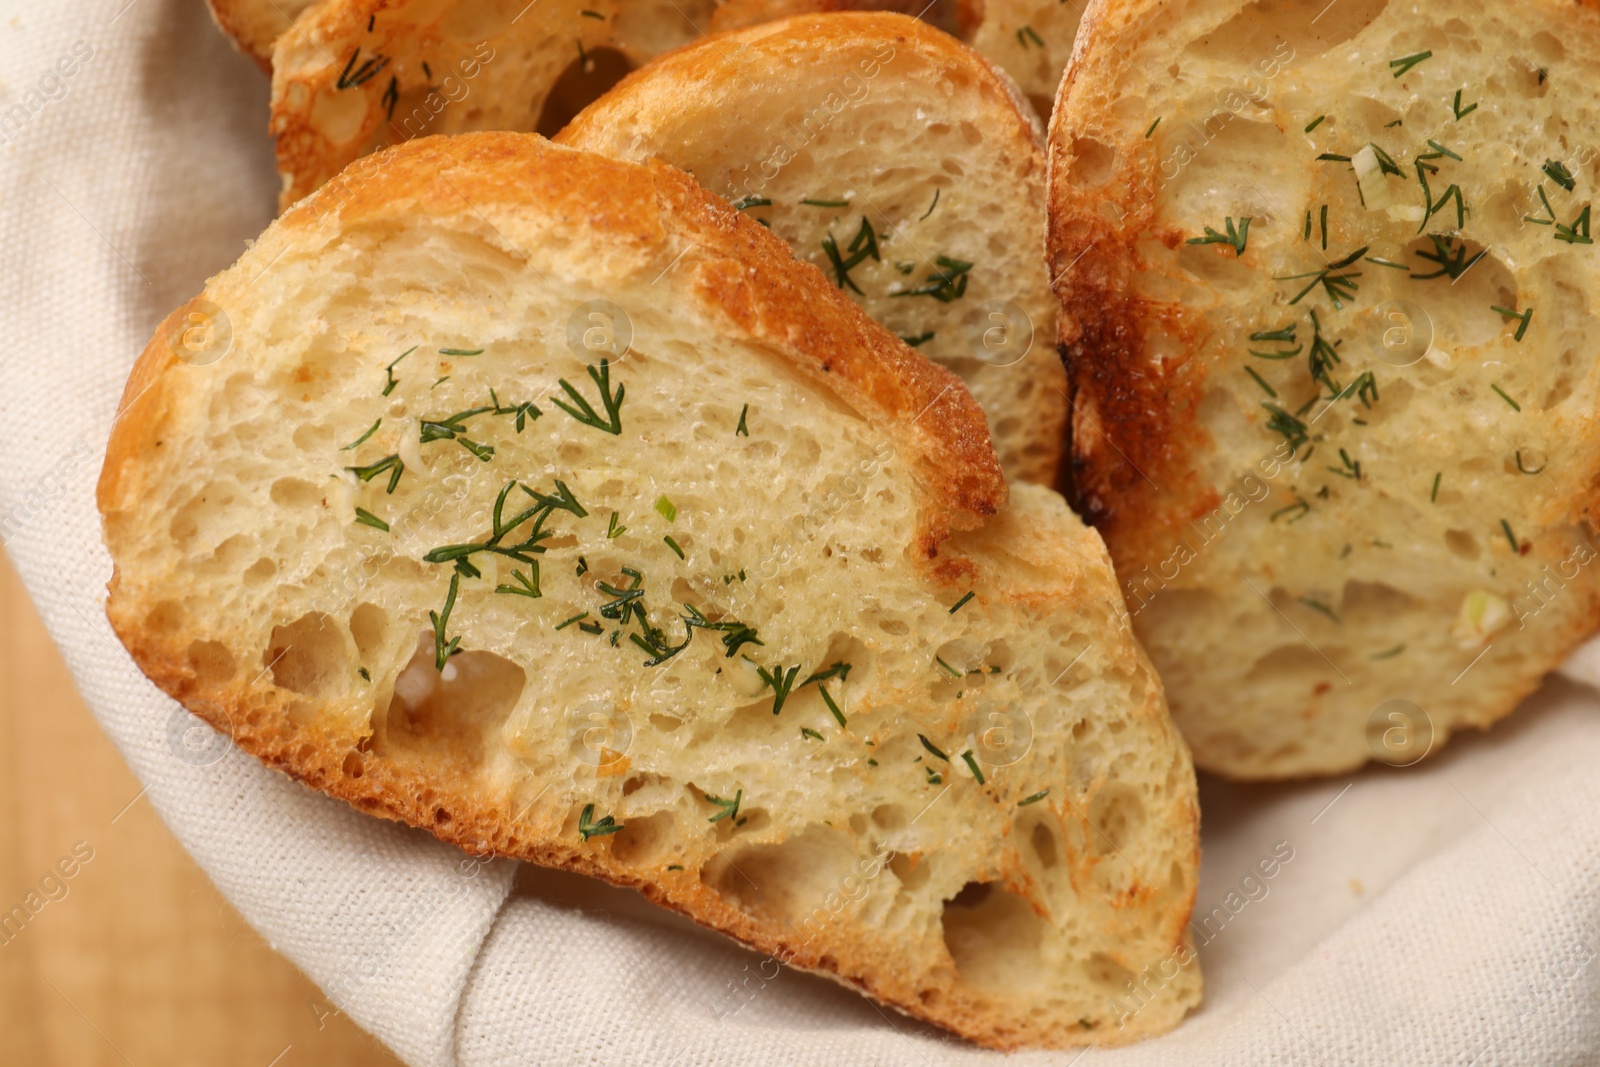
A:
525, 412
972, 765
1405, 63
743, 430
1237, 237
931, 747
863, 245
353, 76
1559, 174
444, 648
781, 681
584, 412
730, 808
1516, 546
393, 464
1522, 317
1034, 799
1462, 112
1451, 256
389, 371
588, 828
1294, 431
453, 428
1336, 280
945, 285
367, 518
362, 439
528, 587
1321, 608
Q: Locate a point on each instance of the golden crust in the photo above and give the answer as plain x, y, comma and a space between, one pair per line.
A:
1144, 462
748, 276
645, 115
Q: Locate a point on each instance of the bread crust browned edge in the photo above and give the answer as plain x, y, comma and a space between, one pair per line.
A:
1150, 419
231, 18
749, 276
813, 33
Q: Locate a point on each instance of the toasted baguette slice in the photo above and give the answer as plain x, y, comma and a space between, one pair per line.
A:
255, 25
957, 17
797, 515
357, 75
641, 28
900, 163
1345, 490
1031, 40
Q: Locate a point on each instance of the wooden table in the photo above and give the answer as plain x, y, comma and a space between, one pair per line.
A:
142, 962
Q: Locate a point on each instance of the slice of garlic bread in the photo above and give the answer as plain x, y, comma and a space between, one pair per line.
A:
899, 162
1031, 40
542, 501
1325, 277
357, 75
255, 25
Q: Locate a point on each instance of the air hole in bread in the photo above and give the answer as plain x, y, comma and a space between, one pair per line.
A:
1370, 603
640, 842
260, 571
1108, 973
369, 625
309, 656
1461, 543
1237, 160
890, 817
1561, 389
583, 82
993, 936
296, 494
910, 870
1264, 28
788, 881
1116, 814
1460, 311
446, 718
1294, 668
1043, 844
211, 662
1092, 162
354, 767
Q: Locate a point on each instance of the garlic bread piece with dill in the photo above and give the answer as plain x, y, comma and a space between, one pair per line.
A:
899, 162
357, 75
1325, 280
546, 502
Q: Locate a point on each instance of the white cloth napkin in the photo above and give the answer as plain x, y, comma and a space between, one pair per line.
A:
1446, 913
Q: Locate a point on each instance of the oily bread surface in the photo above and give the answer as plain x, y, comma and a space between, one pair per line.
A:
1324, 581
824, 124
845, 525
